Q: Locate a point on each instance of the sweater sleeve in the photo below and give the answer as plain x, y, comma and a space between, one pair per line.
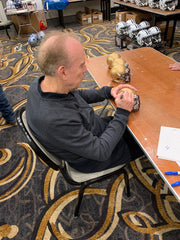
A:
77, 139
95, 95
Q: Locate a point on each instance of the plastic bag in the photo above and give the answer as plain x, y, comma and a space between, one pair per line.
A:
55, 4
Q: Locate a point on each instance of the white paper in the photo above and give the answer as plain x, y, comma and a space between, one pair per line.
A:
169, 144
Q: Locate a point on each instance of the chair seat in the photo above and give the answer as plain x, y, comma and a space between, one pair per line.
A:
5, 23
76, 175
82, 177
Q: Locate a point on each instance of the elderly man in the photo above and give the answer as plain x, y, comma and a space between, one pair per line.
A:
59, 114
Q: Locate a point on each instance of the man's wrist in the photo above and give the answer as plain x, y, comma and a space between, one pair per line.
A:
108, 92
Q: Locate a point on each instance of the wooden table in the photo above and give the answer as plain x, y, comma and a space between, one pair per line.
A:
159, 91
157, 14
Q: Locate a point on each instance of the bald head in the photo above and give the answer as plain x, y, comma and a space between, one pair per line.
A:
56, 49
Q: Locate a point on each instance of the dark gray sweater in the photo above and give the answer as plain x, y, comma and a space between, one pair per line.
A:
69, 128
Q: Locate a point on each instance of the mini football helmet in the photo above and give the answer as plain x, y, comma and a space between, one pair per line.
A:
144, 38
33, 40
168, 5
121, 28
155, 34
40, 35
133, 30
141, 3
144, 25
130, 22
153, 3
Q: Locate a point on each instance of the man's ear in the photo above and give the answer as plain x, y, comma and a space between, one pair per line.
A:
62, 72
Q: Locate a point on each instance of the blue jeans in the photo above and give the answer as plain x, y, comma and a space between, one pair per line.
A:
5, 108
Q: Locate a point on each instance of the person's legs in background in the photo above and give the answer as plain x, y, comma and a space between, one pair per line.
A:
5, 108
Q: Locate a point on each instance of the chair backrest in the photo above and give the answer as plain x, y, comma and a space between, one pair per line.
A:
51, 160
3, 17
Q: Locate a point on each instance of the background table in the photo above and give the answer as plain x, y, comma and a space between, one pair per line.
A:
159, 90
105, 8
22, 24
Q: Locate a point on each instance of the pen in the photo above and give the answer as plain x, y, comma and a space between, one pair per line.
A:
175, 184
122, 96
172, 173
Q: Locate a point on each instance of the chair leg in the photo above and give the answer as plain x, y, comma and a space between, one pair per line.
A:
15, 28
79, 200
7, 33
102, 110
127, 186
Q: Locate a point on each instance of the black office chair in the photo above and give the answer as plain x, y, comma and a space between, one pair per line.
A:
72, 176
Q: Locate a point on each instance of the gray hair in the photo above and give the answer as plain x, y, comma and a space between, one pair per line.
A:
53, 52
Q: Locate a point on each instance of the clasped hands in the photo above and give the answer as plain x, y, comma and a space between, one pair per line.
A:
124, 99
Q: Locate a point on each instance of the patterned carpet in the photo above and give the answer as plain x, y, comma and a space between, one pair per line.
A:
35, 201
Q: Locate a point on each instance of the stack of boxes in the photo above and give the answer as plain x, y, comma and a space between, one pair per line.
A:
121, 16
89, 16
137, 16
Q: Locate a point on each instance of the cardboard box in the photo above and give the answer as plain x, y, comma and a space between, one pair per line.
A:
23, 19
97, 17
83, 18
162, 26
41, 16
144, 16
120, 16
88, 10
131, 15
138, 16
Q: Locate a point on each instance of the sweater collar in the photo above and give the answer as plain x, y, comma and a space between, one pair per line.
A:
51, 94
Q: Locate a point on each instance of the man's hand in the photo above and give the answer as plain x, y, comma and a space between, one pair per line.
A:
175, 66
125, 100
115, 90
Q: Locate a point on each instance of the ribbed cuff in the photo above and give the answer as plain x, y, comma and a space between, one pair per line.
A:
123, 111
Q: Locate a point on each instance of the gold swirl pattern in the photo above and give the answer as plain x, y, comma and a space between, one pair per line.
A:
51, 216
145, 224
35, 201
162, 204
17, 178
9, 231
19, 69
6, 155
